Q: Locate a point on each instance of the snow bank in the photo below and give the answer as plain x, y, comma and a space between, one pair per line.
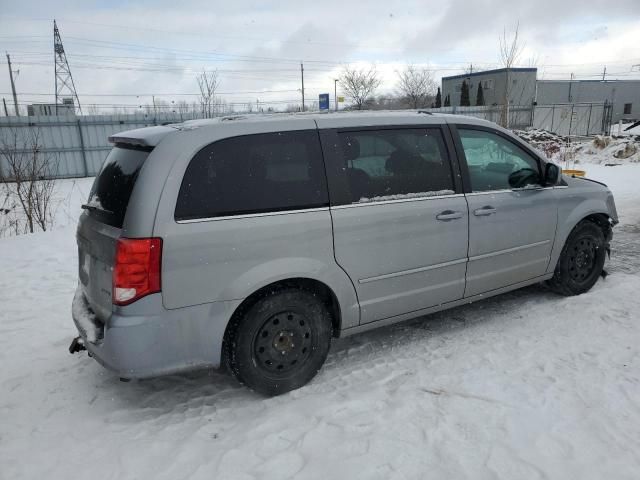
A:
612, 150
607, 150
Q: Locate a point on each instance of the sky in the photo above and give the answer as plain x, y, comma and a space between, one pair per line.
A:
128, 53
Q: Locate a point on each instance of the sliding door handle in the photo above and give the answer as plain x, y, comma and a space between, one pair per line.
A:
448, 215
486, 210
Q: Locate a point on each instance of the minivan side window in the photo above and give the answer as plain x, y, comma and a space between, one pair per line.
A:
495, 163
254, 174
395, 163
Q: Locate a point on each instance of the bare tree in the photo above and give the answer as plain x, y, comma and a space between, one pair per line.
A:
208, 83
182, 107
510, 50
417, 86
359, 85
28, 180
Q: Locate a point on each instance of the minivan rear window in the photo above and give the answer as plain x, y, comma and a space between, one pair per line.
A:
112, 187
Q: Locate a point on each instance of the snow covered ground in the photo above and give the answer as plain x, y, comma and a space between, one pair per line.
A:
528, 385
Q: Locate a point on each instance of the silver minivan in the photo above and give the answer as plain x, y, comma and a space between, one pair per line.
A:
252, 241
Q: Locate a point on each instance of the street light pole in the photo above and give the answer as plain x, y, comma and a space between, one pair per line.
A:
302, 79
335, 92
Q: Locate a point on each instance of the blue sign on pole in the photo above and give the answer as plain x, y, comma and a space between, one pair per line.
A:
323, 101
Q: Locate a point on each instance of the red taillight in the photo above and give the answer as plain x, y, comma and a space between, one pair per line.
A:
136, 270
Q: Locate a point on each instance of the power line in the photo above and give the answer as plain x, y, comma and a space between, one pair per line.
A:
165, 94
121, 62
170, 106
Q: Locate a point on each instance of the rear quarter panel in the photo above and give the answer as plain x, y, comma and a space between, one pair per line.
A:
229, 258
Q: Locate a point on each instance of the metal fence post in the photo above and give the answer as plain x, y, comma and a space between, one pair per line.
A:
589, 118
553, 114
533, 110
571, 118
84, 154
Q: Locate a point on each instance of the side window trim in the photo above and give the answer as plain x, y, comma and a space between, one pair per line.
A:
464, 166
339, 194
252, 215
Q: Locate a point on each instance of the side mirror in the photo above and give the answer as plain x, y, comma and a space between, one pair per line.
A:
551, 174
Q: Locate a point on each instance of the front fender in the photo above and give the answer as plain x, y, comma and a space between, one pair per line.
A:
577, 201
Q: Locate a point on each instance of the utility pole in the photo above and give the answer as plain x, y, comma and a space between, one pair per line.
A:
302, 77
13, 88
335, 92
604, 72
6, 112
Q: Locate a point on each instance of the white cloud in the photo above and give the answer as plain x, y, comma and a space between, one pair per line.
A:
108, 45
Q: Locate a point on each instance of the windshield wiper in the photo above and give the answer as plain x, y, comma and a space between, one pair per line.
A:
93, 208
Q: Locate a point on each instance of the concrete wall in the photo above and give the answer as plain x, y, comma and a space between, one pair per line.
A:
494, 82
617, 92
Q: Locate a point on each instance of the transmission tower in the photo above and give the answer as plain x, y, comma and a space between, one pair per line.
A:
64, 80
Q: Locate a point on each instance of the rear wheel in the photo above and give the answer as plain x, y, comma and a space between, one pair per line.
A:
280, 342
581, 260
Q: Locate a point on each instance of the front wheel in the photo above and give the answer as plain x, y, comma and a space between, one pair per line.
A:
280, 342
581, 260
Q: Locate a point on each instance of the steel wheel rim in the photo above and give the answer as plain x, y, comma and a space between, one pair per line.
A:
282, 343
583, 259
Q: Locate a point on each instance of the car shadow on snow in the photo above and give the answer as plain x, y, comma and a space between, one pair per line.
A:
217, 389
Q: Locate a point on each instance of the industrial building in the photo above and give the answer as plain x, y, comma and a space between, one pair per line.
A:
67, 107
49, 109
526, 89
494, 86
623, 95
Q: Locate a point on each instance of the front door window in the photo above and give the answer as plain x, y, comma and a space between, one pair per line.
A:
495, 163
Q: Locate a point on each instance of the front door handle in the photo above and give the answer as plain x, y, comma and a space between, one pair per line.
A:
486, 210
448, 215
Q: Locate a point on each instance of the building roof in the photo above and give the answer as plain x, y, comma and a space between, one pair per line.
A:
637, 80
489, 72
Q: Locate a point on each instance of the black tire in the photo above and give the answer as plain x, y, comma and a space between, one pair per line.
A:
581, 261
279, 342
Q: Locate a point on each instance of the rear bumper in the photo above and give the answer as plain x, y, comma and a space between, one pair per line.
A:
157, 342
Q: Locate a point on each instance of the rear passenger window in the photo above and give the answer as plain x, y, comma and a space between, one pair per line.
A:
391, 164
252, 174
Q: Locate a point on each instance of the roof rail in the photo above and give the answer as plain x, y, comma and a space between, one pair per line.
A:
425, 112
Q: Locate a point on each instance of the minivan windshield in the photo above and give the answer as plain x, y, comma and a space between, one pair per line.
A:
112, 187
